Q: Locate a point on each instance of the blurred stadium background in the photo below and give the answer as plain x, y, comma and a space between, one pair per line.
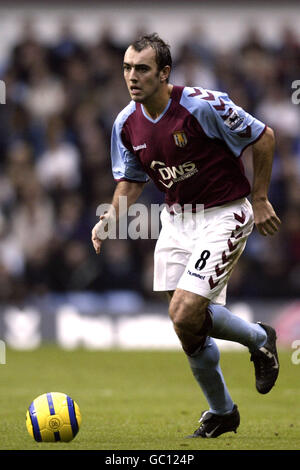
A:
64, 87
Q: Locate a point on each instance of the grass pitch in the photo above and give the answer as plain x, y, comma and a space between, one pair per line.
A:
136, 400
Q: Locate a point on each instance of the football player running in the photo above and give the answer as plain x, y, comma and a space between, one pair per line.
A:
189, 141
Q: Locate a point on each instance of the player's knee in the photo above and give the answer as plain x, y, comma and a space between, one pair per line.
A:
178, 311
185, 314
182, 323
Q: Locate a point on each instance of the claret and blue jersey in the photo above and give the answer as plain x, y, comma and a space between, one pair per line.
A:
191, 151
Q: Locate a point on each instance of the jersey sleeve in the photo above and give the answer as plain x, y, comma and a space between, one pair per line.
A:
220, 118
125, 165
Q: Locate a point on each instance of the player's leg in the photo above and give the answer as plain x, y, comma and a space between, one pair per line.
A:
192, 323
194, 319
191, 319
230, 327
194, 316
259, 338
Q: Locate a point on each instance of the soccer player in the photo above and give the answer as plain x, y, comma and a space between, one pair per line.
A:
189, 141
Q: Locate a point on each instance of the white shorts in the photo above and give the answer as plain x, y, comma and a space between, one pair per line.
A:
199, 255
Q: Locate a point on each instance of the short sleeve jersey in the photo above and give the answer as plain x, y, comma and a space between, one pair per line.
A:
191, 151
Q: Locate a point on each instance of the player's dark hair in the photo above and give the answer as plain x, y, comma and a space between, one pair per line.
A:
161, 48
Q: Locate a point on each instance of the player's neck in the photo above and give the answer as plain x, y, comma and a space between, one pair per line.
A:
157, 104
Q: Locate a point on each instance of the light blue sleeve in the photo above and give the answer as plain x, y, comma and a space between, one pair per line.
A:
125, 164
220, 118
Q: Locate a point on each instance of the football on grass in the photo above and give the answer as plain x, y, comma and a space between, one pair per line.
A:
53, 417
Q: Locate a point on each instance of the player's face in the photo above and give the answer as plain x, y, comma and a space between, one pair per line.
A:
141, 74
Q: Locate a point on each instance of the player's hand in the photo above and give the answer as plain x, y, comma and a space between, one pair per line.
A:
100, 232
265, 218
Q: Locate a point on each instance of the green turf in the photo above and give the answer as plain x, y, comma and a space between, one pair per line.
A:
145, 400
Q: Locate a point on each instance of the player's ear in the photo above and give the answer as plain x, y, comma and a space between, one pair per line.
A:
165, 73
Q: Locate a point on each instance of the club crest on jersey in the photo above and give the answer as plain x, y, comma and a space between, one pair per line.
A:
180, 138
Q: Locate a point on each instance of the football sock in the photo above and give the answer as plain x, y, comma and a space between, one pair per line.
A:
206, 369
230, 327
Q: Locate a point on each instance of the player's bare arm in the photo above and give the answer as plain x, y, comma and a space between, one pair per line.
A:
265, 218
129, 189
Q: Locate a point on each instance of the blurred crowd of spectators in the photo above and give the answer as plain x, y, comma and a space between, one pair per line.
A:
55, 129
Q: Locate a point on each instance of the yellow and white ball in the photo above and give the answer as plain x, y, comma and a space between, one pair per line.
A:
53, 417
